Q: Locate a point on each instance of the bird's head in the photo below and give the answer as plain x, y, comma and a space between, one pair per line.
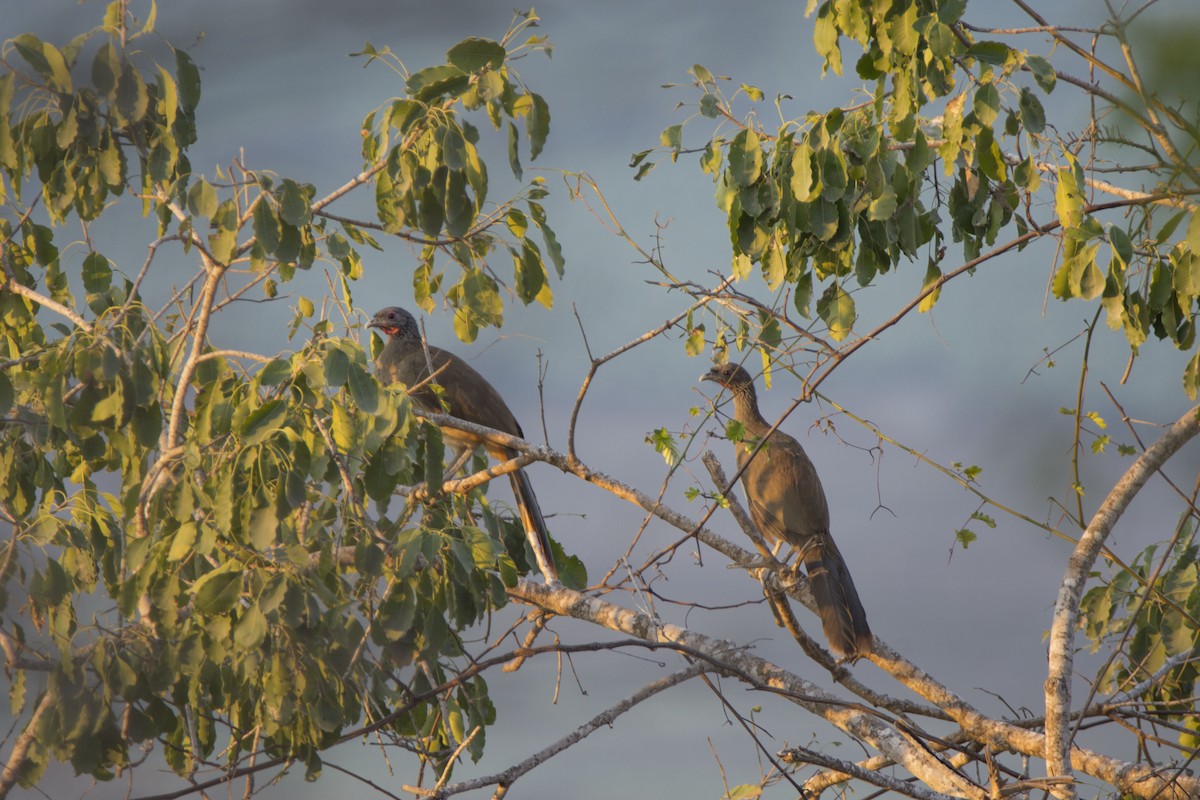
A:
395, 323
732, 376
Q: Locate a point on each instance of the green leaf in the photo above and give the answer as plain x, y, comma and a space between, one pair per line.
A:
6, 393
1187, 276
1191, 376
774, 266
932, 274
430, 83
337, 367
293, 204
664, 444
537, 124
473, 54
222, 241
218, 592
1068, 196
991, 160
132, 99
825, 39
188, 77
1122, 247
266, 225
364, 389
514, 155
263, 526
990, 52
1026, 175
345, 432
262, 421
1032, 113
97, 274
745, 158
1168, 229
803, 173
458, 210
530, 273
753, 92
987, 104
30, 48
833, 173
553, 248
182, 541
251, 629
202, 199
431, 214
106, 66
1043, 73
672, 137
883, 207
836, 308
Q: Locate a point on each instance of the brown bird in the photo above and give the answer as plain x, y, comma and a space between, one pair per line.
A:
788, 504
468, 396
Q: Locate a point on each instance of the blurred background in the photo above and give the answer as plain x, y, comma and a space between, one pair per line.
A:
966, 383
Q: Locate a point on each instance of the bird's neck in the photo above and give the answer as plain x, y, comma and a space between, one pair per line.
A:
745, 411
402, 344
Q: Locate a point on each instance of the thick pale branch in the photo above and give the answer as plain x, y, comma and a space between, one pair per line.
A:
1139, 780
760, 673
1066, 607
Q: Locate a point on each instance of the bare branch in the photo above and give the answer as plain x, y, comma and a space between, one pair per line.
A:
504, 780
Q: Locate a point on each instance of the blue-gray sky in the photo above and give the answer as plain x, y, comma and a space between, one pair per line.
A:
955, 384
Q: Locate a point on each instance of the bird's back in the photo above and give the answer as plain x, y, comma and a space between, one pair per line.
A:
467, 394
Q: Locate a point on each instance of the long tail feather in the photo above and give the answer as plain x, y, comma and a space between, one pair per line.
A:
842, 614
535, 525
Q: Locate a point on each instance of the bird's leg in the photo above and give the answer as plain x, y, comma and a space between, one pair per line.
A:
461, 454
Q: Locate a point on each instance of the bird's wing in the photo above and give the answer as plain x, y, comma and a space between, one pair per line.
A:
785, 495
467, 394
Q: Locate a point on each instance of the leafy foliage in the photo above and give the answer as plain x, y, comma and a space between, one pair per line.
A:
199, 561
954, 131
250, 557
1154, 605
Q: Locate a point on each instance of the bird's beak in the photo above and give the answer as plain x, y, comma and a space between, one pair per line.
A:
708, 376
374, 324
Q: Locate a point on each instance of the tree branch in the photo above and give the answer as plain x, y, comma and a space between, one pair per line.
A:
16, 759
762, 674
1066, 607
504, 780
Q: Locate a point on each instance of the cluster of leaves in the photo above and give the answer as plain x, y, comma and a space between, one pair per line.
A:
856, 191
260, 581
78, 137
1152, 281
1155, 603
198, 559
434, 181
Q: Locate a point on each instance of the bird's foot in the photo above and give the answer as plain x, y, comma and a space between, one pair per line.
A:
757, 563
